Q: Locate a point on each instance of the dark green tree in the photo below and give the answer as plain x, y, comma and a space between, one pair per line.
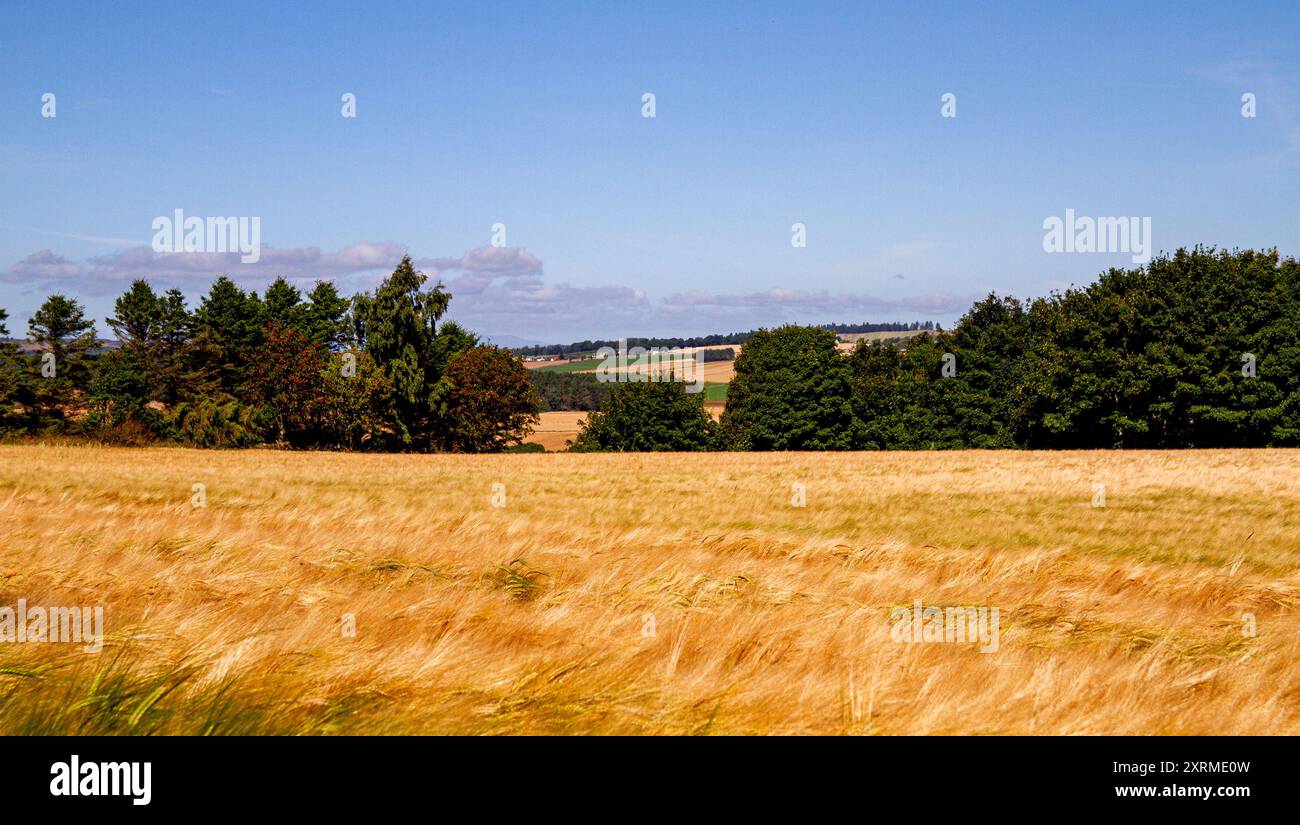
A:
398, 327
876, 400
155, 329
119, 392
357, 402
1197, 349
649, 416
64, 337
282, 305
791, 391
229, 324
983, 398
325, 316
12, 379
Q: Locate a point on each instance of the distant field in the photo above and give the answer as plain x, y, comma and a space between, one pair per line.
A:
849, 340
652, 593
717, 374
564, 366
854, 337
713, 370
556, 428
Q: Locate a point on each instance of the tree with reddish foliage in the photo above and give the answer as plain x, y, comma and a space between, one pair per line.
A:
285, 377
490, 401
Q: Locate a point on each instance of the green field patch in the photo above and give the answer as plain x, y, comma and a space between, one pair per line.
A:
572, 366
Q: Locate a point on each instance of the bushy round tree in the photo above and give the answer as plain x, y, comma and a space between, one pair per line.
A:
490, 401
791, 392
649, 416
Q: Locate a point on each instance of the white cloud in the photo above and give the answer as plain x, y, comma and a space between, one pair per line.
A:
43, 266
195, 270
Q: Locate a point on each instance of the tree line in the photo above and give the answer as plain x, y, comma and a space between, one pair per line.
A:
889, 326
375, 371
1197, 349
589, 347
569, 390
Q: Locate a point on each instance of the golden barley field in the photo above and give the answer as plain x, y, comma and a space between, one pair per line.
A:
556, 429
652, 594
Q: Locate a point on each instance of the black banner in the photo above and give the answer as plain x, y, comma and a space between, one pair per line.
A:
146, 777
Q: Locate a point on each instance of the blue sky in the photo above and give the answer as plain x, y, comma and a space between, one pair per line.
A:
530, 115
